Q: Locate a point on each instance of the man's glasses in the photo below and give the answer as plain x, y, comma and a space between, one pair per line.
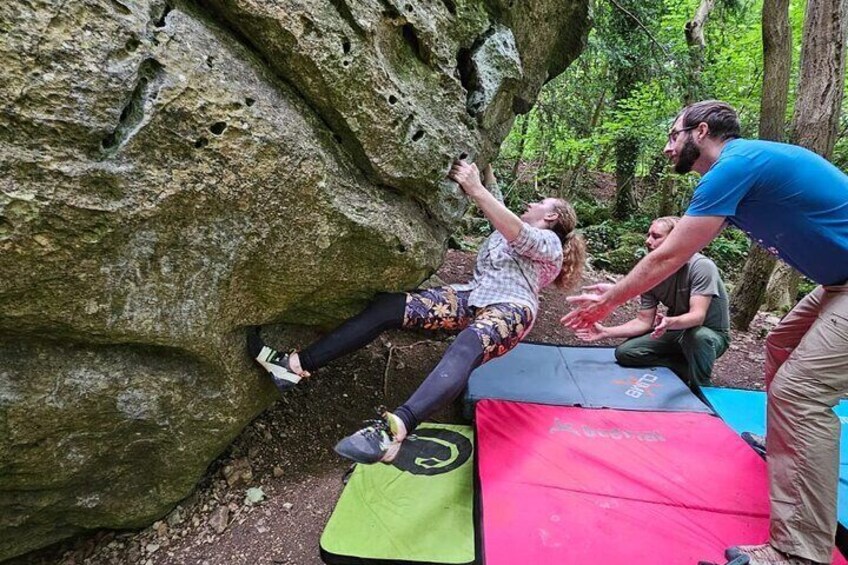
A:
672, 135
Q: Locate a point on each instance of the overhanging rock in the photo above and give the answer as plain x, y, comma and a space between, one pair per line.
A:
174, 171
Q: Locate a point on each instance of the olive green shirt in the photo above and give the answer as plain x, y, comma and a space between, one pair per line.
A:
699, 276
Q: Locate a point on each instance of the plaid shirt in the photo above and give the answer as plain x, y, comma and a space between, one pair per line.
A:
515, 271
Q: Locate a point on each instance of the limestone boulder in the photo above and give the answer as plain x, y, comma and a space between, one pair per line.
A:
173, 172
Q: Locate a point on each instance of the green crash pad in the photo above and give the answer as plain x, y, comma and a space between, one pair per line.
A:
419, 509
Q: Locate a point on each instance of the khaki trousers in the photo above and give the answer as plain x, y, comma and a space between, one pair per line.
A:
806, 374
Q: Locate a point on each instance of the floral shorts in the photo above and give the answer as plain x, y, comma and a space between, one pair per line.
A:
498, 326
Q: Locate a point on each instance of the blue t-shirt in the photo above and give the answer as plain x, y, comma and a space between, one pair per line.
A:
791, 201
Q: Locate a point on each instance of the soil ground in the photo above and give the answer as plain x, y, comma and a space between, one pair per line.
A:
291, 460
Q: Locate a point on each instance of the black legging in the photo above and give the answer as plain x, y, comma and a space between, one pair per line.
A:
386, 312
445, 382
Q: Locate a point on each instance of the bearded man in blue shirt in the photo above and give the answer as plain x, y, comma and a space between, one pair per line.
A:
793, 203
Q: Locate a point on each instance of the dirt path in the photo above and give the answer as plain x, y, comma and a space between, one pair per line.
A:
293, 464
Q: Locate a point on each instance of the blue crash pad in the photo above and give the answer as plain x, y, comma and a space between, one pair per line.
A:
745, 411
578, 376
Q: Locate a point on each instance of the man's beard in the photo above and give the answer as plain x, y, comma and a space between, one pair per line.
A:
687, 157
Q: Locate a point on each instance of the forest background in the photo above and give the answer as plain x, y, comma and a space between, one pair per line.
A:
596, 135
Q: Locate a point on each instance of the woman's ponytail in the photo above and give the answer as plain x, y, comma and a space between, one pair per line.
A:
573, 246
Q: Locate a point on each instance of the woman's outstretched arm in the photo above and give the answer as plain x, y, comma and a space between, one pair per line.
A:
502, 219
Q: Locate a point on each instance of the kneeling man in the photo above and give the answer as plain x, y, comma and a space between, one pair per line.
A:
691, 335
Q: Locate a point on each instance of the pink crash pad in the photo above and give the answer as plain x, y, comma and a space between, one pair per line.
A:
563, 485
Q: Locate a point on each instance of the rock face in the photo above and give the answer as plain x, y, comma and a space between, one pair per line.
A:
171, 172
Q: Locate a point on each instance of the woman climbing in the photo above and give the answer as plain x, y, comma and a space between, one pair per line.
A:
494, 311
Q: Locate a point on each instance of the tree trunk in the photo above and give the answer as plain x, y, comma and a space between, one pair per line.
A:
626, 151
751, 290
597, 112
547, 133
694, 31
668, 197
777, 64
782, 290
820, 84
627, 69
522, 143
818, 103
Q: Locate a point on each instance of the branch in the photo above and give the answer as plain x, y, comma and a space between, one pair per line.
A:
695, 27
754, 82
842, 132
640, 24
389, 362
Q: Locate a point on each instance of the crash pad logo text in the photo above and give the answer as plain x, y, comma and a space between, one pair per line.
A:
588, 431
638, 387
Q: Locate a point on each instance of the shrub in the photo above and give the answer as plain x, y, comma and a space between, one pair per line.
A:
729, 251
613, 250
590, 213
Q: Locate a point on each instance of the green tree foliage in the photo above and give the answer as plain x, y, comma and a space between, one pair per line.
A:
566, 145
